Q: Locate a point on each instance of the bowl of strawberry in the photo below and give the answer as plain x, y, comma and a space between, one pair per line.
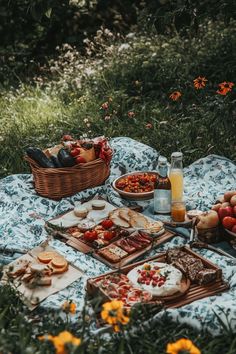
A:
226, 209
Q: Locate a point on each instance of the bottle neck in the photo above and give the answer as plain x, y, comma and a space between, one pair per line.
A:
176, 163
163, 171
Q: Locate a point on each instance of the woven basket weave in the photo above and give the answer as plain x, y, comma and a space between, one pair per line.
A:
57, 183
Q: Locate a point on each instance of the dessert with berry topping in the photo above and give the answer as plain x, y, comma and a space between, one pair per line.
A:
159, 279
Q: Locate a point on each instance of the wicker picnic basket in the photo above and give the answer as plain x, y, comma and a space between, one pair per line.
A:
57, 183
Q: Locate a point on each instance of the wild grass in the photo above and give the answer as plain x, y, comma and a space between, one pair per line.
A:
134, 74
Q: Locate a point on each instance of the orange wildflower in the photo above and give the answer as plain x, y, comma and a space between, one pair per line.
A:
225, 87
182, 346
175, 95
199, 82
61, 340
69, 307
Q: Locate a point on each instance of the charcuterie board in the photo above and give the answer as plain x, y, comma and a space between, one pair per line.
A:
189, 290
115, 236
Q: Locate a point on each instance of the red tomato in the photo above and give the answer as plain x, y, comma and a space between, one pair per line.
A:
108, 235
75, 152
228, 222
107, 223
90, 235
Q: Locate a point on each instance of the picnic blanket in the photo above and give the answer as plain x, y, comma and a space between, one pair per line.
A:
23, 214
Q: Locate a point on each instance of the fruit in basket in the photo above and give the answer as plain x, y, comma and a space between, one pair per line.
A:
225, 211
67, 137
80, 159
228, 195
65, 158
233, 200
75, 152
228, 222
208, 219
38, 156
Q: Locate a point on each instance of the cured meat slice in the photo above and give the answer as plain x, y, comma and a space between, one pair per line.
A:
134, 244
126, 246
142, 239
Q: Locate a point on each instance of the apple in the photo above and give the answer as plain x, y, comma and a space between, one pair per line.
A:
233, 200
228, 222
234, 210
228, 195
223, 212
208, 220
216, 207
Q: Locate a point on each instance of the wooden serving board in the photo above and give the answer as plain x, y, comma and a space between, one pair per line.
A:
195, 291
85, 248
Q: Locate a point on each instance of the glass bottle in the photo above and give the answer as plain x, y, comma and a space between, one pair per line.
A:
176, 176
162, 189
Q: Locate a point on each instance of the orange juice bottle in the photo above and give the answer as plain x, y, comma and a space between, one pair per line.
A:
176, 176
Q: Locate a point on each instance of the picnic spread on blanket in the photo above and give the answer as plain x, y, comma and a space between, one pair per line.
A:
127, 230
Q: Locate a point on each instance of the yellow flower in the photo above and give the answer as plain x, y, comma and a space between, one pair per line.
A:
61, 340
69, 307
114, 314
174, 96
199, 82
184, 346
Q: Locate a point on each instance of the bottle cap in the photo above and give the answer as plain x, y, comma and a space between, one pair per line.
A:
162, 161
177, 154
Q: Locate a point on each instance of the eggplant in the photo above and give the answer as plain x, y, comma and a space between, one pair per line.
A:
65, 158
38, 156
56, 161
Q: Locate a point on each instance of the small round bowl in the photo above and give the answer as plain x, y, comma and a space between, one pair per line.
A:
130, 195
210, 235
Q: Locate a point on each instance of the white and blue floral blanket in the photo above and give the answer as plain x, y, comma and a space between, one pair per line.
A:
23, 214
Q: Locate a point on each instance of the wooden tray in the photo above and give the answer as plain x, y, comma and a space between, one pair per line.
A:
83, 247
194, 293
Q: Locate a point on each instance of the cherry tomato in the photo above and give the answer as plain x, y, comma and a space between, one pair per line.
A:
228, 222
107, 224
90, 235
108, 235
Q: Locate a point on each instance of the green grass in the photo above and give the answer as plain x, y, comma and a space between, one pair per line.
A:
139, 79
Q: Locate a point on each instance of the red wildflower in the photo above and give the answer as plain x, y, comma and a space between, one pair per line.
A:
175, 95
105, 105
131, 114
149, 126
225, 87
